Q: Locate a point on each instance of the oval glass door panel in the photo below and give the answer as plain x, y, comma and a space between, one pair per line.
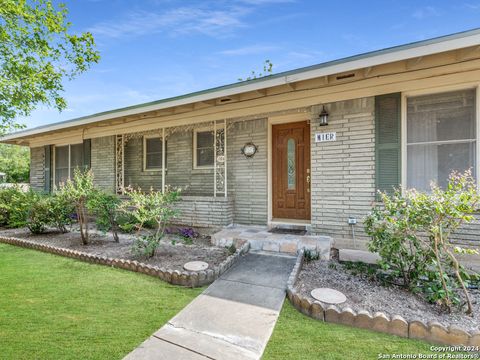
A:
291, 167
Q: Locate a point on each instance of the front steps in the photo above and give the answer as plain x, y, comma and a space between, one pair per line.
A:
262, 240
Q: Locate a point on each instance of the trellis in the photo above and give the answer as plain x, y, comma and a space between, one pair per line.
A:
219, 128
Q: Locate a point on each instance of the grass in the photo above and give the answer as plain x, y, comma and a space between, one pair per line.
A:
297, 336
57, 308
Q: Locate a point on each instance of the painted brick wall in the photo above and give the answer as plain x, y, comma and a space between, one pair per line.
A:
343, 172
247, 178
37, 168
103, 162
205, 211
179, 173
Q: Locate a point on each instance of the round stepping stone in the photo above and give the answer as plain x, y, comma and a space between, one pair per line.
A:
329, 296
195, 266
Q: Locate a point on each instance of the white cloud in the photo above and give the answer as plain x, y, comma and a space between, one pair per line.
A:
182, 20
424, 12
472, 6
249, 50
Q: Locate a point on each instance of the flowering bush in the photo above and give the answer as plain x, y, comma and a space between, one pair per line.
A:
155, 208
411, 232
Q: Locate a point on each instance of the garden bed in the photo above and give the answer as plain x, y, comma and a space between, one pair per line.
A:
172, 254
365, 294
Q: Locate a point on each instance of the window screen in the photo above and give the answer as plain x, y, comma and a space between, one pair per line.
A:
76, 158
153, 153
61, 164
441, 137
205, 149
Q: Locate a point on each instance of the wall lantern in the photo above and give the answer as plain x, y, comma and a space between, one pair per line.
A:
323, 117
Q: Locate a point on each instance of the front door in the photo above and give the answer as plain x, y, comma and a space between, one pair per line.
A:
291, 171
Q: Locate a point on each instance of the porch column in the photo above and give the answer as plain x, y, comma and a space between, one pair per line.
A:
119, 163
163, 160
225, 155
220, 158
215, 158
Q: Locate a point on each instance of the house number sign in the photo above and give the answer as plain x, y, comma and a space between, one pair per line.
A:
325, 136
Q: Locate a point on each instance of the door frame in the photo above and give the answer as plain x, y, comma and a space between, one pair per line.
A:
276, 120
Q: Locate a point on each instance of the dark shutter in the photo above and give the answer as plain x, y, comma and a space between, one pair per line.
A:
87, 151
48, 168
388, 142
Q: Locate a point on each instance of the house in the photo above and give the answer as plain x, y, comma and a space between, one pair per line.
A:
308, 147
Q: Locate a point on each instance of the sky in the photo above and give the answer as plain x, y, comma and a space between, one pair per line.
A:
155, 49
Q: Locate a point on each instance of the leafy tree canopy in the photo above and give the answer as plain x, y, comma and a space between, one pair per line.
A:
37, 52
15, 162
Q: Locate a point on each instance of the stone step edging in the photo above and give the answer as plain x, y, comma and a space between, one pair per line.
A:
432, 332
175, 277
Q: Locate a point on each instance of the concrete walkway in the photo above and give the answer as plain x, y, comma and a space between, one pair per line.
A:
232, 319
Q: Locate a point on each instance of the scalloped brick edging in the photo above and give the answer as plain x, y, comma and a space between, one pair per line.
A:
175, 277
396, 325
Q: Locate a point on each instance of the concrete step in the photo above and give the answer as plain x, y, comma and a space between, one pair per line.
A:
262, 240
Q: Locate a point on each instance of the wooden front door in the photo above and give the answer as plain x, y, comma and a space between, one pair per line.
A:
291, 171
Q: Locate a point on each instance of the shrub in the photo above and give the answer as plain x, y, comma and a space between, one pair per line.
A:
411, 232
78, 192
126, 222
105, 207
61, 212
14, 206
310, 255
152, 207
38, 212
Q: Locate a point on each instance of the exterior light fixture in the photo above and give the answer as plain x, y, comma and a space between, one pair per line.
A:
323, 117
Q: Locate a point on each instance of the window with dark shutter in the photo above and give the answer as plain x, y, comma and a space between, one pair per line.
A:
388, 142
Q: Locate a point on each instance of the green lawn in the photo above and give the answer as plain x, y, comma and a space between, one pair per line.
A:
57, 308
297, 336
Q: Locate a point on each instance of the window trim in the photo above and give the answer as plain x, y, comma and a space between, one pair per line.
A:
144, 150
194, 148
54, 161
433, 91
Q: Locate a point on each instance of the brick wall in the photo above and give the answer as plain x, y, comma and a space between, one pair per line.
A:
205, 211
103, 162
37, 168
343, 172
179, 173
247, 177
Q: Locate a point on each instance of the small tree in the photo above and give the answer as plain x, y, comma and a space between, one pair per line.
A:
105, 207
78, 192
155, 208
411, 231
267, 70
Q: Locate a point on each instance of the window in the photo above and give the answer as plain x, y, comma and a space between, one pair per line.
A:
291, 176
441, 137
61, 164
67, 159
152, 153
203, 148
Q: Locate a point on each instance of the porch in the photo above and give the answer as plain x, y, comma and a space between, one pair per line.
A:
219, 185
